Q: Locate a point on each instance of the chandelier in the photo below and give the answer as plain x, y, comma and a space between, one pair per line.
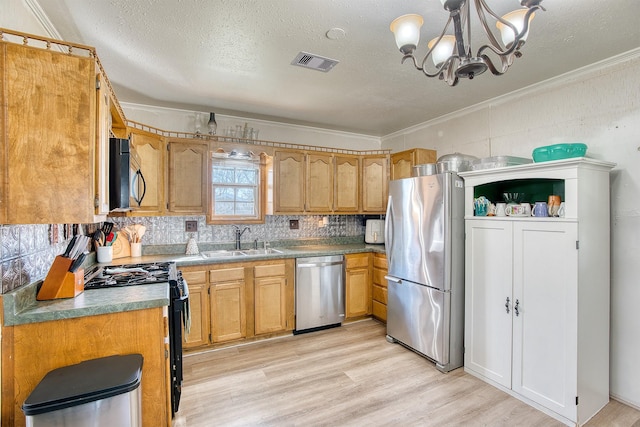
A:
452, 57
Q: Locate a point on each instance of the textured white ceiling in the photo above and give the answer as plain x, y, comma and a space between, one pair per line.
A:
233, 56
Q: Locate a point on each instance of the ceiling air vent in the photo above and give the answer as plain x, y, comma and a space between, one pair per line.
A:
315, 62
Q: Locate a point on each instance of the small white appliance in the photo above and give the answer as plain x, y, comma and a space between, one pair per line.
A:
374, 231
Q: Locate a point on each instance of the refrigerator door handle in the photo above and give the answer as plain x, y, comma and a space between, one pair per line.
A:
393, 279
388, 229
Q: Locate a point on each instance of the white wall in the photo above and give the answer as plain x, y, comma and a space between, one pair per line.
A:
600, 106
185, 121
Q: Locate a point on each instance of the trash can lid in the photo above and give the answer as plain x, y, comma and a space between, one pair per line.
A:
85, 382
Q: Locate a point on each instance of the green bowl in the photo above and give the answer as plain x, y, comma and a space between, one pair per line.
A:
559, 151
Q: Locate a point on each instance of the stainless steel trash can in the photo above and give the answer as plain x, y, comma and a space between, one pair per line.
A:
98, 392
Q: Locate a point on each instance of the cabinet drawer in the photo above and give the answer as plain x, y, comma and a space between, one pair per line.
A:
269, 270
378, 277
379, 311
195, 277
357, 261
379, 294
226, 275
380, 261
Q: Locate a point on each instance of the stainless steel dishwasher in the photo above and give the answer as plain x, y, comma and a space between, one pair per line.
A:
319, 293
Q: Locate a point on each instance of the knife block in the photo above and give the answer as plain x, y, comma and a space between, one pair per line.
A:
60, 282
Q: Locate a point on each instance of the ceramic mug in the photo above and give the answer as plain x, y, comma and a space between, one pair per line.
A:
515, 210
561, 210
481, 205
501, 209
553, 204
526, 209
540, 209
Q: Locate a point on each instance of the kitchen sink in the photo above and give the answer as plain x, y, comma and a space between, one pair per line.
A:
223, 254
239, 253
266, 251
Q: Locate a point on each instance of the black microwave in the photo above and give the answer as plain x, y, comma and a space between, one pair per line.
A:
127, 186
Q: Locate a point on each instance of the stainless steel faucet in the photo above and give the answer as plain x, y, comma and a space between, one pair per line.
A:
239, 235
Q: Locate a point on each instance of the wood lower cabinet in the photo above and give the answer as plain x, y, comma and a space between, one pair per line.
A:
357, 285
374, 184
227, 304
187, 177
32, 350
271, 298
199, 304
234, 301
379, 287
402, 163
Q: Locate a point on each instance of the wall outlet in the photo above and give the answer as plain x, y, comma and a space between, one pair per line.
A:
191, 226
293, 224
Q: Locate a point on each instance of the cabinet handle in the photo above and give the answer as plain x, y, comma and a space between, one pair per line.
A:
506, 305
516, 307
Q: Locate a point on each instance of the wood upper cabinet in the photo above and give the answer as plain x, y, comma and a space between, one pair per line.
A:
199, 303
346, 195
151, 150
289, 181
103, 128
319, 194
357, 285
47, 136
227, 304
402, 163
375, 177
187, 177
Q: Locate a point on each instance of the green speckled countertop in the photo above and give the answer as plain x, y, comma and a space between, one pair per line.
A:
21, 306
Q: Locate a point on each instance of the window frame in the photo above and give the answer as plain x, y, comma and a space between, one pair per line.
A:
259, 218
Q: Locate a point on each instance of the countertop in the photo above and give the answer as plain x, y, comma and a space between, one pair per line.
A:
21, 306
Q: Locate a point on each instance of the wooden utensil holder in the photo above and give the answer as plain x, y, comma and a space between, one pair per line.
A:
60, 282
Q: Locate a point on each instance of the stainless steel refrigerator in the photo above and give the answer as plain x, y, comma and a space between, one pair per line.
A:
424, 232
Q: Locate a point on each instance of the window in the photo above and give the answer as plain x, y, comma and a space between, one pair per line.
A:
236, 189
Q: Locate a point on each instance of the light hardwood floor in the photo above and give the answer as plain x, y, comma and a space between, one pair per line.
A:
348, 376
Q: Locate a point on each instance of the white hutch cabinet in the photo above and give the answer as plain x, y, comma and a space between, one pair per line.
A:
537, 289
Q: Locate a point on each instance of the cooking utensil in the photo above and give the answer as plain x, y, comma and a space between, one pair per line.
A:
455, 162
70, 246
77, 263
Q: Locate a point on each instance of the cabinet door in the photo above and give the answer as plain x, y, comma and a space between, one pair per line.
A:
187, 177
402, 163
150, 148
375, 174
228, 316
270, 305
488, 299
545, 323
103, 126
379, 288
357, 283
199, 304
345, 194
319, 194
47, 136
289, 182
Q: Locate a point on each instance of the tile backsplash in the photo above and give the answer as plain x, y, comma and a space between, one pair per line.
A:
27, 251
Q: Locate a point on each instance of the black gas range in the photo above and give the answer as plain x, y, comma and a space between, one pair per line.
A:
179, 312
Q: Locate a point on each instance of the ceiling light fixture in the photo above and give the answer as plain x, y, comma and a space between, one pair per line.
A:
452, 57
